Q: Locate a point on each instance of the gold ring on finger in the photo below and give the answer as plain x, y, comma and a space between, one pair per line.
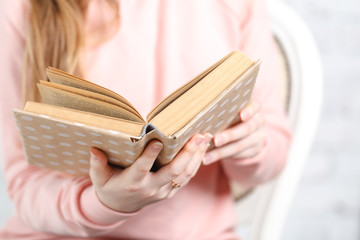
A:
175, 184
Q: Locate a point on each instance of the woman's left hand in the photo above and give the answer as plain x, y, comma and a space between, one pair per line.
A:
243, 140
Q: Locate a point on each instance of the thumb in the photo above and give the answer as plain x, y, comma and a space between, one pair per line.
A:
99, 168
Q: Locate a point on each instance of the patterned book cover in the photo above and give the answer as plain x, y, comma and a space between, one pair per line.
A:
65, 145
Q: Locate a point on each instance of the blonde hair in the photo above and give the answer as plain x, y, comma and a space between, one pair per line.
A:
56, 38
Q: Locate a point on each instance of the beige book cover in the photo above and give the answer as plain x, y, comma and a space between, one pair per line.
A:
59, 136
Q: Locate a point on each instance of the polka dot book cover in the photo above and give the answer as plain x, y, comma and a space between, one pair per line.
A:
75, 115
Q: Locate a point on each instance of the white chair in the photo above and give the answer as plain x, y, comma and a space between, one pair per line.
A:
263, 211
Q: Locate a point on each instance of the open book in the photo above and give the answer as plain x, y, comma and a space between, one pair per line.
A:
75, 115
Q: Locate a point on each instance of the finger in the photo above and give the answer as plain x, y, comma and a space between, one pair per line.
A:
173, 192
249, 111
248, 156
239, 131
164, 191
192, 167
250, 153
235, 148
167, 190
188, 173
142, 166
178, 165
196, 161
190, 170
100, 171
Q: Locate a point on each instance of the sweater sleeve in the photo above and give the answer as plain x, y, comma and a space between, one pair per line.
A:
258, 43
45, 200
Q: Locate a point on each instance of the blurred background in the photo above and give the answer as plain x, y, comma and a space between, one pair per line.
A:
326, 205
327, 201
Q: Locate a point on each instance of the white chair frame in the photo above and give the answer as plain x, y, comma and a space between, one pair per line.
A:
269, 204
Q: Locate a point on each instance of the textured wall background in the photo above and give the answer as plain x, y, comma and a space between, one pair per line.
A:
327, 202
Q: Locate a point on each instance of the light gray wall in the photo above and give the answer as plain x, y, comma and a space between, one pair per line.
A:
327, 203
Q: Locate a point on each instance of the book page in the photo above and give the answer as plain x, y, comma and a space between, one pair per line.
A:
177, 93
127, 127
66, 99
92, 95
189, 104
224, 110
61, 77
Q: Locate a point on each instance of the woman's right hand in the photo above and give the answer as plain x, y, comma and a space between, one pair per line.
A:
128, 190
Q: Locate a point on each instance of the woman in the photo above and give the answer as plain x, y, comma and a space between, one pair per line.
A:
143, 50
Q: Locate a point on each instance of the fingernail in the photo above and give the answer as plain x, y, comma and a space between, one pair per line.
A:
93, 157
219, 141
247, 113
244, 115
207, 159
205, 146
156, 146
199, 139
208, 138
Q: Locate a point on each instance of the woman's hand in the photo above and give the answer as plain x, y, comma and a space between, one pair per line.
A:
132, 188
244, 140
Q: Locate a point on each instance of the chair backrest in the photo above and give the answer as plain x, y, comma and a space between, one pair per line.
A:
262, 212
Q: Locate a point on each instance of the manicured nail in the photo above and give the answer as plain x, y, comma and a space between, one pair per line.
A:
247, 113
219, 141
199, 139
244, 115
93, 157
156, 146
208, 138
207, 159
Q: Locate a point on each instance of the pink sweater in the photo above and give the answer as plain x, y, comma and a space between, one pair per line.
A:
159, 46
